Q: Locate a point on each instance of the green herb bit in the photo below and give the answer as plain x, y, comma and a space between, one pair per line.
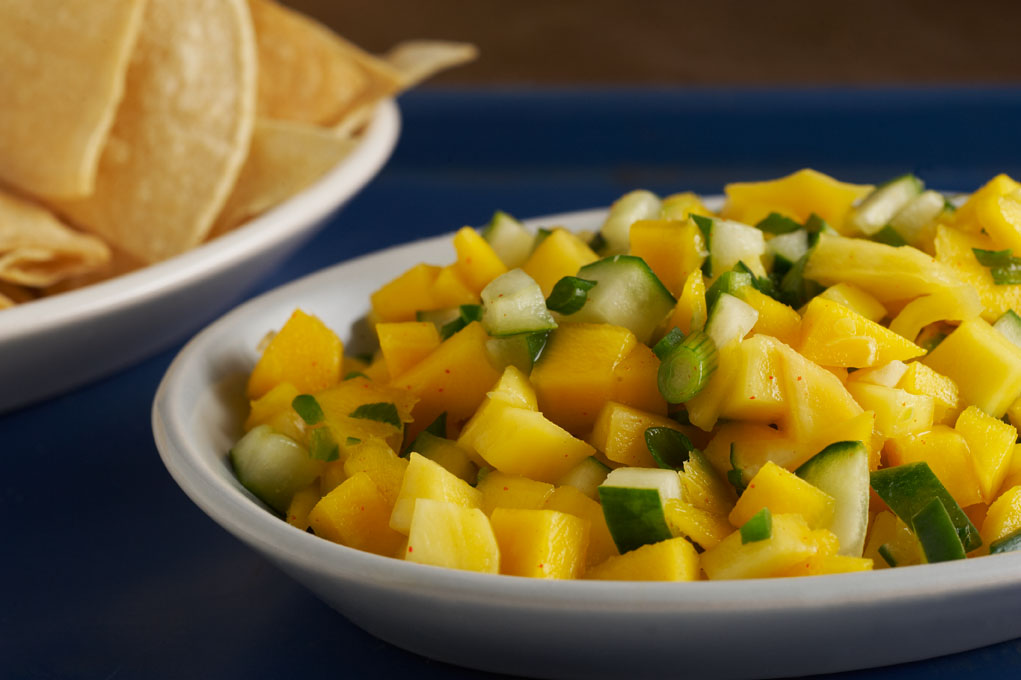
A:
734, 474
541, 234
569, 294
887, 554
597, 243
763, 284
351, 441
775, 223
993, 258
355, 374
670, 448
466, 314
687, 369
795, 290
668, 343
535, 343
932, 342
815, 224
1008, 275
322, 445
308, 408
936, 533
758, 528
705, 224
383, 412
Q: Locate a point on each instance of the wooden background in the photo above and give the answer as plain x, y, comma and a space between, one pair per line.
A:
702, 42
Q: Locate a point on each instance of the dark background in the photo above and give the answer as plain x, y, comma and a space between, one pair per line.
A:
702, 42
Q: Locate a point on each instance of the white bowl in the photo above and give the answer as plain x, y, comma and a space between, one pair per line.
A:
51, 345
575, 629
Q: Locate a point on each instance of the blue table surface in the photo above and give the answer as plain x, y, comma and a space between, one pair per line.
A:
110, 571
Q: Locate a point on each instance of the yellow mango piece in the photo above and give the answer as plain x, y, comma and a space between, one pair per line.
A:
523, 442
955, 249
500, 490
889, 530
819, 565
574, 376
991, 442
671, 560
540, 543
967, 216
947, 454
835, 335
755, 393
953, 304
425, 479
619, 432
690, 312
301, 505
635, 381
450, 290
775, 318
356, 514
897, 412
856, 299
1000, 217
1013, 477
791, 542
984, 364
681, 206
704, 409
477, 263
515, 388
453, 378
797, 196
410, 292
673, 249
920, 379
268, 405
448, 454
384, 467
705, 528
376, 371
1004, 516
885, 272
304, 353
783, 492
568, 499
406, 343
452, 536
560, 254
754, 445
332, 477
704, 489
339, 402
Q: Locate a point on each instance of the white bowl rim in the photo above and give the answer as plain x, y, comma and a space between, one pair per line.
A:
224, 500
263, 232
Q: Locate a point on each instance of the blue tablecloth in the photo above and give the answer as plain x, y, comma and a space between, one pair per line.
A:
108, 570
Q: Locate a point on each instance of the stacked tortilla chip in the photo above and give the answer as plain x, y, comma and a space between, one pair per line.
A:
134, 130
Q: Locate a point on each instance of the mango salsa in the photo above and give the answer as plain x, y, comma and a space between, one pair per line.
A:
812, 400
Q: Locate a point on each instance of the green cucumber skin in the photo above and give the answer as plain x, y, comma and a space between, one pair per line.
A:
634, 516
908, 488
1009, 325
627, 293
1008, 543
272, 466
936, 533
842, 470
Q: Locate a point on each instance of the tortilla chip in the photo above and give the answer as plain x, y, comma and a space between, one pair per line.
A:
419, 60
11, 295
284, 158
309, 74
62, 67
36, 249
119, 263
181, 133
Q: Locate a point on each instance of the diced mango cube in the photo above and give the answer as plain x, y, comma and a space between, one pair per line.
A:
705, 528
449, 289
898, 412
756, 392
856, 299
301, 505
619, 432
304, 353
947, 454
500, 490
834, 335
477, 262
515, 388
356, 514
425, 479
635, 381
340, 402
783, 492
991, 442
967, 216
384, 467
452, 536
673, 249
819, 565
920, 379
953, 304
540, 543
406, 343
1003, 517
791, 542
955, 249
572, 501
690, 312
268, 405
797, 196
560, 254
410, 292
671, 560
775, 318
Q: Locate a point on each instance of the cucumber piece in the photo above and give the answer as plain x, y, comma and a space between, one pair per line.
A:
627, 293
586, 476
1009, 325
775, 223
439, 317
1008, 543
273, 466
625, 211
920, 212
908, 488
731, 242
731, 282
730, 319
890, 237
879, 207
633, 501
670, 448
687, 368
465, 315
936, 533
788, 248
759, 527
446, 453
842, 471
511, 241
513, 303
521, 350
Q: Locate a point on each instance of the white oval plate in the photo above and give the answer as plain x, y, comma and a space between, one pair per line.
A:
51, 345
574, 629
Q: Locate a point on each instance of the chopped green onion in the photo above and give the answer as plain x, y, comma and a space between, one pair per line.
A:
308, 408
889, 236
535, 343
687, 369
355, 374
775, 223
569, 294
322, 445
993, 258
705, 224
466, 314
763, 284
668, 343
351, 441
795, 290
734, 474
1004, 268
1008, 543
758, 528
936, 533
728, 282
670, 448
816, 224
887, 554
383, 412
